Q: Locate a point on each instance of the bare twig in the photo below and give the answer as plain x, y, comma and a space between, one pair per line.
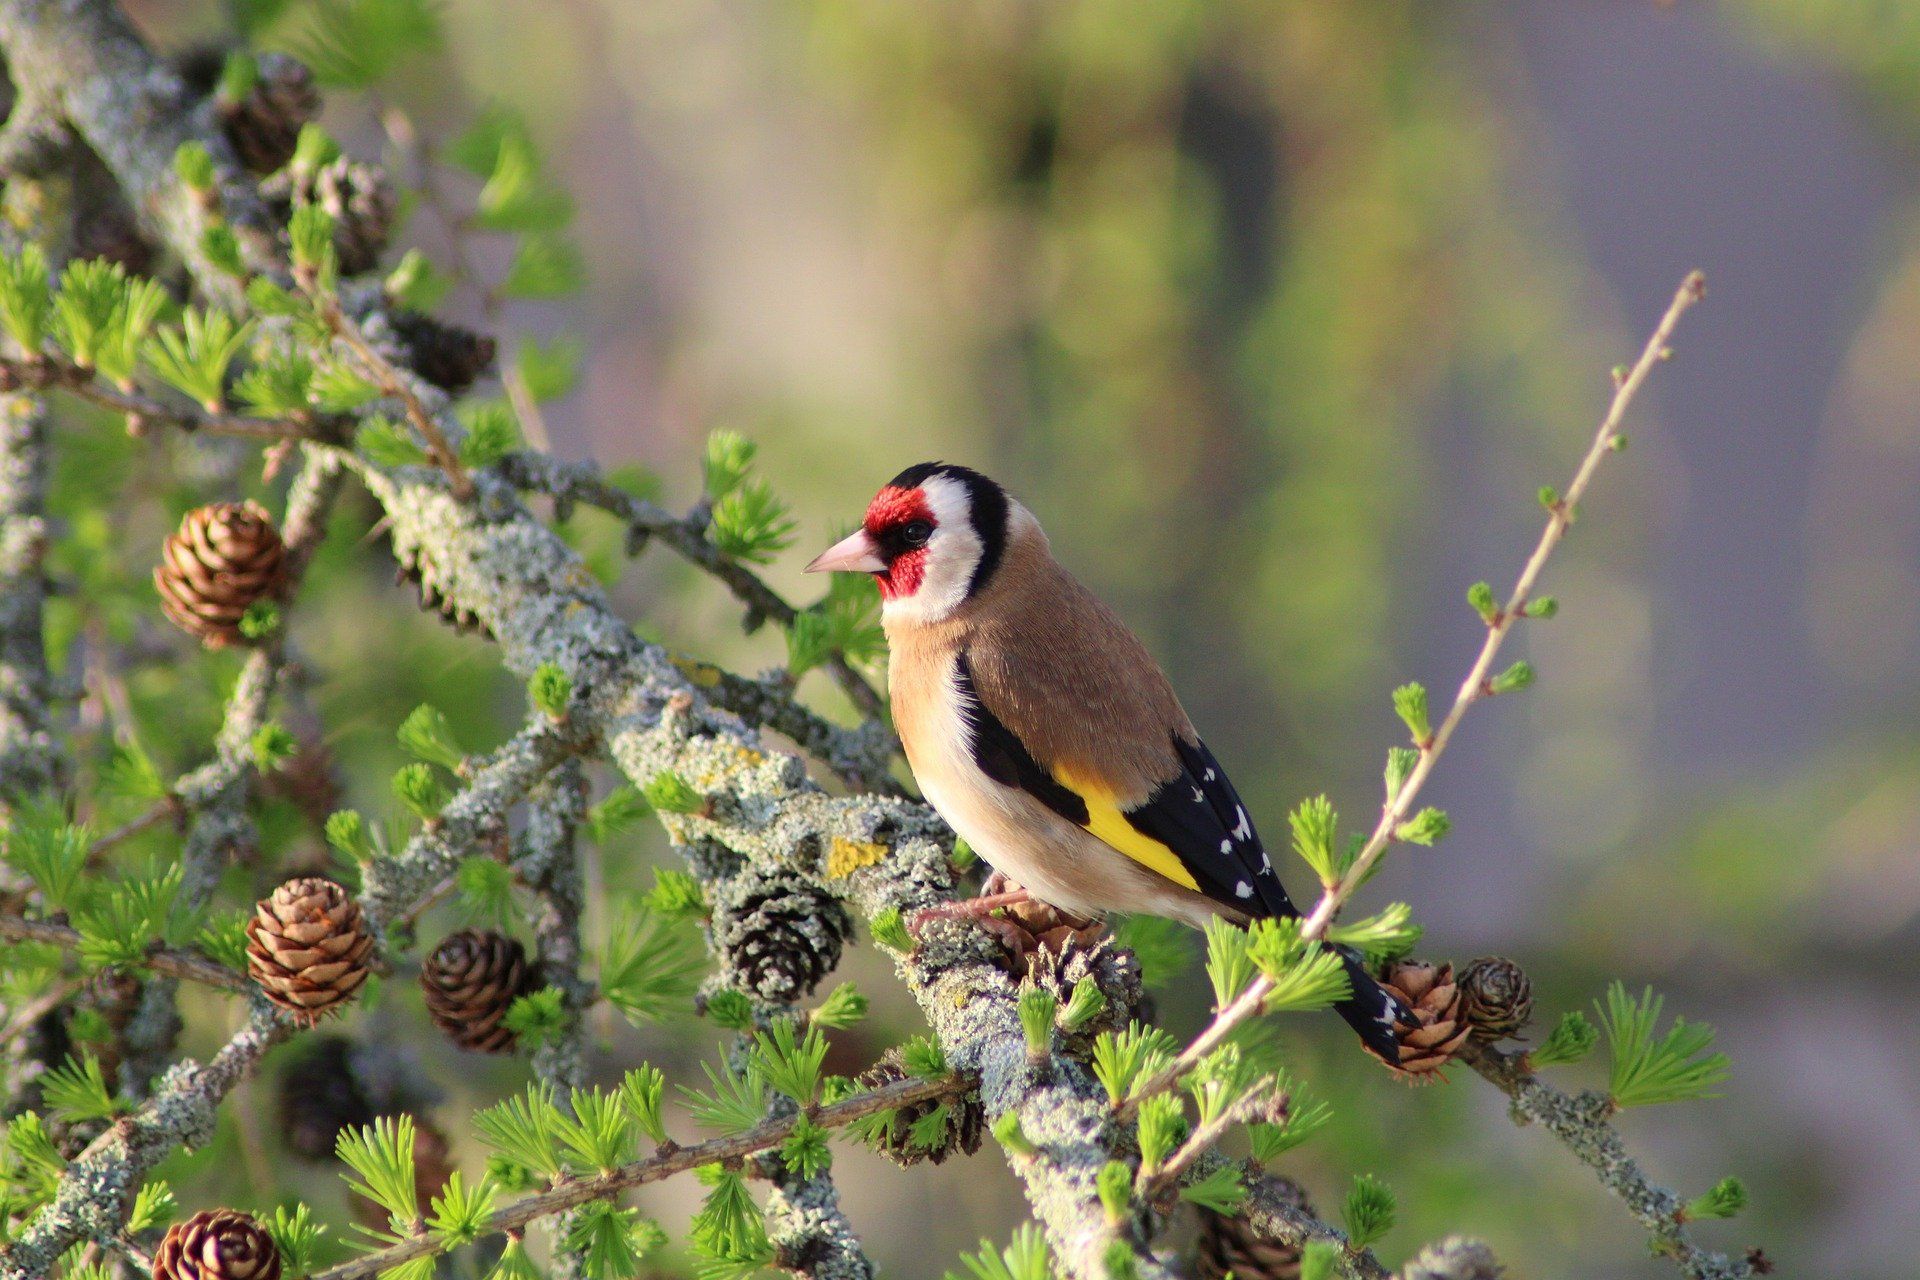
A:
174, 962
1474, 688
397, 383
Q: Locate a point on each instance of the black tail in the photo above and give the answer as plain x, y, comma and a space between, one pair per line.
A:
1371, 1010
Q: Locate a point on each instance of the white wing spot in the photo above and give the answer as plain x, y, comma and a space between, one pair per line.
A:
1242, 830
1199, 796
1226, 846
1211, 775
1243, 890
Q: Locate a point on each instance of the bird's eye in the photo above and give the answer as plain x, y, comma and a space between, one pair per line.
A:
917, 532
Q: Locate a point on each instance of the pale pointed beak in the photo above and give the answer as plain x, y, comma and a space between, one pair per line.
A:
854, 553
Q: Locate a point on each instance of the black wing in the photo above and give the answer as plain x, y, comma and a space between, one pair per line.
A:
1199, 816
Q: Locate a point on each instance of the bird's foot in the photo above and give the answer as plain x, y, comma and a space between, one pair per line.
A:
972, 909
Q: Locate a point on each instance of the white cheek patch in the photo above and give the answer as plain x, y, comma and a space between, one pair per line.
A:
953, 553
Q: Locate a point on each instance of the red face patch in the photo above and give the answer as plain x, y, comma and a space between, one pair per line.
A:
892, 510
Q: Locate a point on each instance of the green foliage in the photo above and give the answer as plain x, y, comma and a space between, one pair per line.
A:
524, 1129
1121, 1059
924, 1059
224, 939
77, 1091
1164, 947
514, 1264
271, 746
1543, 608
310, 233
668, 792
1571, 1040
1223, 1081
347, 833
1008, 1133
1316, 829
352, 44
728, 462
415, 283
1222, 1190
845, 623
193, 165
426, 734
1025, 1258
129, 773
116, 928
600, 1133
843, 1007
492, 432
338, 389
1390, 935
1085, 1004
1114, 1182
485, 886
25, 299
649, 966
1549, 497
1305, 1116
890, 930
751, 523
1163, 1125
736, 1100
538, 1016
1514, 678
297, 1236
238, 76
381, 1157
789, 1060
153, 1206
1229, 960
117, 357
610, 1241
1646, 1071
51, 854
1727, 1198
550, 371
1119, 1260
806, 1150
422, 790
458, 1215
728, 1228
1368, 1212
551, 690
617, 812
1427, 827
261, 620
1037, 1009
643, 1092
90, 306
1401, 762
1319, 1260
545, 264
386, 443
194, 355
1480, 597
517, 195
1305, 975
1410, 704
221, 245
33, 1160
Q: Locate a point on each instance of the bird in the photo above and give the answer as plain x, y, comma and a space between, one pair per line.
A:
1043, 731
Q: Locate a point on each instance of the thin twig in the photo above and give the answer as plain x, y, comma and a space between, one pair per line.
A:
175, 962
662, 1164
1474, 688
48, 374
397, 384
39, 1007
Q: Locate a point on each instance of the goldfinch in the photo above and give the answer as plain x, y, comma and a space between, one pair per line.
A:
1045, 734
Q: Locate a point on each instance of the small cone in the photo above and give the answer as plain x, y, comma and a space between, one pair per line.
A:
362, 204
264, 126
319, 1095
470, 981
1499, 997
1115, 970
307, 947
1030, 927
1229, 1246
966, 1119
1438, 1025
449, 357
778, 939
217, 1244
221, 559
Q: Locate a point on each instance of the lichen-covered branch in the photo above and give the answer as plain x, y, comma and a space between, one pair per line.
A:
31, 761
1583, 1122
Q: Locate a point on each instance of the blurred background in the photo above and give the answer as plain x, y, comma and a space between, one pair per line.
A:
1278, 315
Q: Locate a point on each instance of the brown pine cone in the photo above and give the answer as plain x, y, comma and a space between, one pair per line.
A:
217, 1244
432, 1167
1439, 1023
1499, 997
1115, 970
307, 947
264, 126
319, 1095
1229, 1246
471, 980
449, 357
778, 937
966, 1118
1030, 927
358, 197
222, 558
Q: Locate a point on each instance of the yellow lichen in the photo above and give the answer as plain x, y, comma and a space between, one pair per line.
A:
847, 856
